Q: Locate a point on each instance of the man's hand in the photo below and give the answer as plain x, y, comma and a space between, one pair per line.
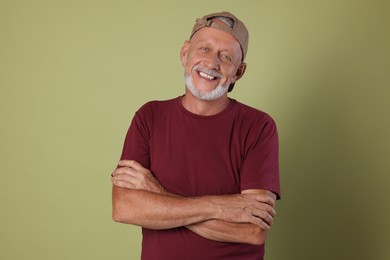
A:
132, 175
257, 209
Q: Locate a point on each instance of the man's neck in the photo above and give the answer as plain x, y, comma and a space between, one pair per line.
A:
205, 108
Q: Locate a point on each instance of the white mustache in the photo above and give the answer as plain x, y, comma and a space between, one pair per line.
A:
210, 72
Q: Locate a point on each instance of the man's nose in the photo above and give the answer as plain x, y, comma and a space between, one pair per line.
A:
213, 62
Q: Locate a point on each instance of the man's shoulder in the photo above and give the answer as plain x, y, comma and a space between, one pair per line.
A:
157, 107
159, 104
166, 102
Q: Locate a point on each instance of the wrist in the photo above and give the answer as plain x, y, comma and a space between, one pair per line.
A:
213, 209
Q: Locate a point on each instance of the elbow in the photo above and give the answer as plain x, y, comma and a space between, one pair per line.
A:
123, 210
119, 212
259, 240
122, 215
258, 237
116, 215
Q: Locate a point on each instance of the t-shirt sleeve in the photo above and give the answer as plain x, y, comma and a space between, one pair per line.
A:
136, 145
261, 160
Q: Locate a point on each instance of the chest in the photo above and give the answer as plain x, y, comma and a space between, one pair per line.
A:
193, 158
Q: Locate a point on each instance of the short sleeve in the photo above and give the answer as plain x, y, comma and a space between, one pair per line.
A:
261, 159
136, 145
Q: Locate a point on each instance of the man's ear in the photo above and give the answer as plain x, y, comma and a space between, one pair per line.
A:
184, 52
240, 70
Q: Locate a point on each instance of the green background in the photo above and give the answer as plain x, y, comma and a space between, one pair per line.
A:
72, 74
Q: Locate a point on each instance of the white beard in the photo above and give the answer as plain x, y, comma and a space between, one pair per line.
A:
214, 94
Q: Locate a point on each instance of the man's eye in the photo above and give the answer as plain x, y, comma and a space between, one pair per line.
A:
204, 48
226, 57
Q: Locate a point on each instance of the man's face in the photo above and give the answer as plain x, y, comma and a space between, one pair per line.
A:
212, 61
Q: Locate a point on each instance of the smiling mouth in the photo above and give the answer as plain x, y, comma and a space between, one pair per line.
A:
206, 76
204, 73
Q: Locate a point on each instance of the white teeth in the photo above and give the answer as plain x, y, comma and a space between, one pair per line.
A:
207, 76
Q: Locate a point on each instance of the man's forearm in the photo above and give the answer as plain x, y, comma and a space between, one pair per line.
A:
222, 231
138, 198
157, 211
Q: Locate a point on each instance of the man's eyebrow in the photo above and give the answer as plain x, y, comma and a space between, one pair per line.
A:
204, 41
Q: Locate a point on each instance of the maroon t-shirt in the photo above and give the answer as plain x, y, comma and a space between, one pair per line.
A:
193, 155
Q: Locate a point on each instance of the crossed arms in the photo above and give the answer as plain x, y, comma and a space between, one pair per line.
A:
138, 198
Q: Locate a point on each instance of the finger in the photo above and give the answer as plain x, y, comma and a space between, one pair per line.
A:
267, 218
264, 225
265, 199
119, 170
125, 163
123, 184
259, 222
267, 208
261, 205
260, 198
125, 178
126, 170
272, 211
263, 215
131, 163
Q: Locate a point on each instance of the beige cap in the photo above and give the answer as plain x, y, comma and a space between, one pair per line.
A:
238, 29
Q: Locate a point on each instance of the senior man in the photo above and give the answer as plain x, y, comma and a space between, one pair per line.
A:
199, 173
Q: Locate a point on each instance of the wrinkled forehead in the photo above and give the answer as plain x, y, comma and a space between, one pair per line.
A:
220, 40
